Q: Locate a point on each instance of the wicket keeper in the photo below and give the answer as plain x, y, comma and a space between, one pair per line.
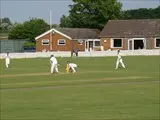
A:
71, 67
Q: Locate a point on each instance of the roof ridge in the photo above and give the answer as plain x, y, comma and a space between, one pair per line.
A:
74, 28
133, 19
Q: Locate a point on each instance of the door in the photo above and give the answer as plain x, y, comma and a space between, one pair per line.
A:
130, 44
90, 45
139, 43
86, 46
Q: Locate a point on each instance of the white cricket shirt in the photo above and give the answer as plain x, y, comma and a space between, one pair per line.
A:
53, 60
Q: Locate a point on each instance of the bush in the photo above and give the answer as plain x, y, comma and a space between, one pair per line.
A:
29, 47
29, 44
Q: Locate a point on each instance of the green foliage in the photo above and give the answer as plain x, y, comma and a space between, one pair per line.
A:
65, 21
95, 13
29, 29
55, 26
91, 13
142, 13
17, 32
29, 44
5, 25
6, 20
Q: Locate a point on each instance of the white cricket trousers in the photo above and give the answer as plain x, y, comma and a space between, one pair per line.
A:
54, 67
73, 66
121, 62
7, 61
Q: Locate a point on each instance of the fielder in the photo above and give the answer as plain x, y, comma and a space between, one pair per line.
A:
70, 67
54, 64
7, 60
119, 60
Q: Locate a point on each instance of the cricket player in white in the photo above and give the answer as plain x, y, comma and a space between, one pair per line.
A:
7, 60
119, 60
54, 64
72, 66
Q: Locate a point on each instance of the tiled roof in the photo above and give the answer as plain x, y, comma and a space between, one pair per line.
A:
80, 33
131, 28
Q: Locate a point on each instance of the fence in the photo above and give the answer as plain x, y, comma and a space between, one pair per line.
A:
83, 54
12, 46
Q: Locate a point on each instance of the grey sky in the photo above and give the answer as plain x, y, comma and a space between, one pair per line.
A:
21, 10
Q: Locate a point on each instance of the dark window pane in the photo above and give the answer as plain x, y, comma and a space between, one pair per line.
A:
80, 42
117, 43
97, 43
45, 42
158, 42
61, 42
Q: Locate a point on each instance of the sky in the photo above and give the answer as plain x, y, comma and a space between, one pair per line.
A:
22, 10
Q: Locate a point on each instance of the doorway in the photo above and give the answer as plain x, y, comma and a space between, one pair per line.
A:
90, 45
138, 44
130, 44
135, 44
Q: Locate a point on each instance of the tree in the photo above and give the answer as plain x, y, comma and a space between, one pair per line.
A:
142, 13
65, 21
5, 25
16, 32
92, 13
157, 12
6, 20
29, 29
55, 26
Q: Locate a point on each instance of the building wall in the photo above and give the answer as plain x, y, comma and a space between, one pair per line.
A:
150, 43
56, 47
107, 44
39, 46
77, 46
70, 44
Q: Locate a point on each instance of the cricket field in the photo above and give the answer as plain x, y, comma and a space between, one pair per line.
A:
96, 92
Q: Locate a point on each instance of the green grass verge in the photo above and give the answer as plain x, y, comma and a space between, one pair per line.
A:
95, 92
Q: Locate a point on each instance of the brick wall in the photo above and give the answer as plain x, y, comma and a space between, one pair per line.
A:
69, 44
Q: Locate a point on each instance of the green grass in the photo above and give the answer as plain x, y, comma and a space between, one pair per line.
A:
95, 92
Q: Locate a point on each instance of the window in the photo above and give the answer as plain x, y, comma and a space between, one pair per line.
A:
45, 42
61, 42
80, 42
157, 43
116, 43
97, 43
